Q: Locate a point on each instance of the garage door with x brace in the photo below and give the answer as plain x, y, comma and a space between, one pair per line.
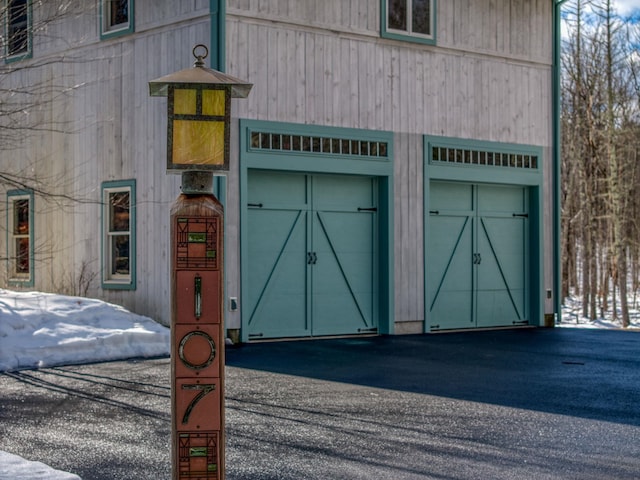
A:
478, 256
312, 255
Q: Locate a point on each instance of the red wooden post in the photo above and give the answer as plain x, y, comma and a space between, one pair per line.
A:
197, 348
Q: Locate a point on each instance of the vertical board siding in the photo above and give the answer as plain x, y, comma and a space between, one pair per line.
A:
115, 131
408, 228
320, 63
313, 77
490, 82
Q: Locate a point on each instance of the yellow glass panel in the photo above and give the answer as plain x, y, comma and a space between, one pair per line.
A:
198, 143
184, 101
213, 102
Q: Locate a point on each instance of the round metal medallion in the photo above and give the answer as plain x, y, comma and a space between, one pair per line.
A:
192, 350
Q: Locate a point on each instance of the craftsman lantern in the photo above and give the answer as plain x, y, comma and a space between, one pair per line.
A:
198, 114
199, 99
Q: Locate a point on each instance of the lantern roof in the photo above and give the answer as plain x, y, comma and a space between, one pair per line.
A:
199, 74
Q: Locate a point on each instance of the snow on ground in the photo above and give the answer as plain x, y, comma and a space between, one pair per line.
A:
45, 330
572, 317
13, 467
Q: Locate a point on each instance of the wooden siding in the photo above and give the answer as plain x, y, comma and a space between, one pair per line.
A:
115, 131
488, 78
506, 28
314, 77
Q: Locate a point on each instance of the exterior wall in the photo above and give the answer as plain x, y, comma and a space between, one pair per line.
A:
488, 78
317, 63
114, 131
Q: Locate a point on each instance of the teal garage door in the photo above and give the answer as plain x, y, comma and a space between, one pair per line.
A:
477, 258
313, 255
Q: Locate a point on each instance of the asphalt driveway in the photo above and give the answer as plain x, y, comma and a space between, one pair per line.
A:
524, 404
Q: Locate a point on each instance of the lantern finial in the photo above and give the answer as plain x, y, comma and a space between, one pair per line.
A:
200, 58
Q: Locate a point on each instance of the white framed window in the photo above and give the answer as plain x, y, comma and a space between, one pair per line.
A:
116, 17
118, 239
17, 29
20, 237
409, 20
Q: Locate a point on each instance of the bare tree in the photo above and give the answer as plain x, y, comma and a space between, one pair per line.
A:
600, 172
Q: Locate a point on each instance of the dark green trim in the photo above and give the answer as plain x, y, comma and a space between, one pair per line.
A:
408, 37
104, 35
29, 53
220, 192
311, 161
114, 284
217, 52
300, 162
16, 282
479, 174
557, 160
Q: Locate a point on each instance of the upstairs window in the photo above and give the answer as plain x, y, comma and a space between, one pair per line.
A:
17, 29
118, 243
20, 237
410, 20
116, 17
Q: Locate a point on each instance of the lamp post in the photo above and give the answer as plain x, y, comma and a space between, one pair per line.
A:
198, 126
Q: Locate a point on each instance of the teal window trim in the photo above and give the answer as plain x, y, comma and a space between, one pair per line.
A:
314, 161
292, 161
530, 178
118, 282
13, 279
107, 31
28, 52
407, 36
435, 170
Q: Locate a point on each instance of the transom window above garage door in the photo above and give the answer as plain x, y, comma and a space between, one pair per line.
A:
462, 156
317, 145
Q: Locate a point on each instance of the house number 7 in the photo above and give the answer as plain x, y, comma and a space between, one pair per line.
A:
204, 390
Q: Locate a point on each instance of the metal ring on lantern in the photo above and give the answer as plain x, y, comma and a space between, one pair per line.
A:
200, 58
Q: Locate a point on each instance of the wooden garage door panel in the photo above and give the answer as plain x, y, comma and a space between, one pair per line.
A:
343, 278
277, 218
344, 238
277, 276
477, 256
450, 247
450, 271
502, 241
312, 251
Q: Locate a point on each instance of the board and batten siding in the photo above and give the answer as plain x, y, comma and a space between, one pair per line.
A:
317, 63
113, 131
488, 78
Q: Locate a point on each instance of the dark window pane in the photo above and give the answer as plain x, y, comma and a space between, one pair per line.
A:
255, 140
21, 217
17, 27
397, 14
120, 255
119, 221
383, 149
22, 255
118, 12
421, 17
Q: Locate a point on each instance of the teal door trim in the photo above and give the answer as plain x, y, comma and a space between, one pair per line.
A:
264, 146
464, 160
